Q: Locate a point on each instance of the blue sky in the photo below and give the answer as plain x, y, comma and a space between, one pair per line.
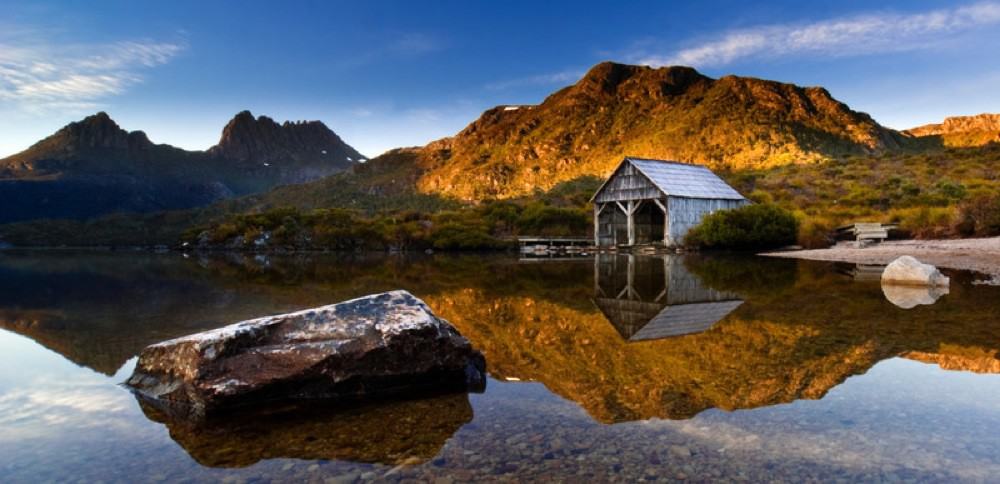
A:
385, 74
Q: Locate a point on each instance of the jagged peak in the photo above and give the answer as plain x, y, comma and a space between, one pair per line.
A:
608, 77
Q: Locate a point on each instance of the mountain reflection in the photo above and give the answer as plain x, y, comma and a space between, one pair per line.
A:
647, 300
627, 338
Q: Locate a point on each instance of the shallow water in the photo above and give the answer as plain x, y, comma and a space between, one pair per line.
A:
614, 369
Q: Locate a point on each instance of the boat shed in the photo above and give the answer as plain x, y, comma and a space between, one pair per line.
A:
657, 202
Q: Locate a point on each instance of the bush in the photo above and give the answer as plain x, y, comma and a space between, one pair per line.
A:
815, 233
979, 217
757, 226
453, 236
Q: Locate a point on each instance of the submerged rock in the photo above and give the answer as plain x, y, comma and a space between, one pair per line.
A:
908, 271
908, 297
374, 346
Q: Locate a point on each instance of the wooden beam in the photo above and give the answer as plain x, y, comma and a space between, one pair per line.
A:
597, 225
624, 210
630, 223
660, 204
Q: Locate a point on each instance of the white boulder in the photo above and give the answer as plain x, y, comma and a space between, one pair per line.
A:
907, 271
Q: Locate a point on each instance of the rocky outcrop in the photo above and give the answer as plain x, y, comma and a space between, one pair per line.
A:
962, 131
908, 271
291, 144
375, 346
959, 124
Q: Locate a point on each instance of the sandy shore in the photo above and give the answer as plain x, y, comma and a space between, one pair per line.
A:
981, 255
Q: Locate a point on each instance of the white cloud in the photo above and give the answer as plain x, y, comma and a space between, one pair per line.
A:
859, 35
564, 77
39, 76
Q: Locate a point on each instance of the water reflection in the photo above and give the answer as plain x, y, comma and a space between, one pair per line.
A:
646, 300
391, 433
744, 333
909, 297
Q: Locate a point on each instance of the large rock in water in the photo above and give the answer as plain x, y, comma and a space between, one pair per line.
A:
907, 271
374, 346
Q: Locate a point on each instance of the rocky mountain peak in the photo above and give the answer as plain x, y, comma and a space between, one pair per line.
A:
959, 124
262, 140
97, 131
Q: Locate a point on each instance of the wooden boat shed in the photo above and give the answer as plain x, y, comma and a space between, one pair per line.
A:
657, 202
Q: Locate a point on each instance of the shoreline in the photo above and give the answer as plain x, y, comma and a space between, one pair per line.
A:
980, 255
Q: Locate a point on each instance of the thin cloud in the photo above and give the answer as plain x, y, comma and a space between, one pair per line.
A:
850, 36
537, 80
41, 77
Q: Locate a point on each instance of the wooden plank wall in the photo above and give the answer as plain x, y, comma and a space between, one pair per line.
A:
628, 184
685, 213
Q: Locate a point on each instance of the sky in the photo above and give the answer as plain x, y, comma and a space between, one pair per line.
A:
385, 74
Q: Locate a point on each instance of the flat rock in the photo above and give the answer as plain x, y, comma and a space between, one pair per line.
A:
371, 347
908, 271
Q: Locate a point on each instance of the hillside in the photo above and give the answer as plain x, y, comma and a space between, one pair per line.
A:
730, 123
94, 167
962, 131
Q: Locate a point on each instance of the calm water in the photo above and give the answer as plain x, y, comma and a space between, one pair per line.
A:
615, 369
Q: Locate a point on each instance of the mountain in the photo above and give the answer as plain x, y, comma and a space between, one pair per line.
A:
962, 131
301, 151
94, 167
670, 112
731, 123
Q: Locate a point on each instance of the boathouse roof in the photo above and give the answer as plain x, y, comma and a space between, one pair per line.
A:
677, 179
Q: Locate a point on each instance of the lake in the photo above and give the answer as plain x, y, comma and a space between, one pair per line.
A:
614, 368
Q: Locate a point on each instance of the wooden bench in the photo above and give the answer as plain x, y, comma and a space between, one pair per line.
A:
867, 233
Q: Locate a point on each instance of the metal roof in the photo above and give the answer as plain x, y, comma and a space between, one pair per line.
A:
678, 179
684, 319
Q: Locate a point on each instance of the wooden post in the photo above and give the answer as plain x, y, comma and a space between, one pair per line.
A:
630, 222
598, 208
597, 226
632, 293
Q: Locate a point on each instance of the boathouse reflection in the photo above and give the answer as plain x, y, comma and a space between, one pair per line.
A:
648, 298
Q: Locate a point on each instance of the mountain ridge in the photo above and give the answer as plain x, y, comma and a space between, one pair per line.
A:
962, 131
670, 112
93, 167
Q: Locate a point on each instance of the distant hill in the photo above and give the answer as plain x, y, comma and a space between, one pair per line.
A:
93, 167
671, 112
732, 123
962, 131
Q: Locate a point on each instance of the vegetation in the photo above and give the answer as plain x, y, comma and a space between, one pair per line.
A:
930, 195
756, 226
490, 225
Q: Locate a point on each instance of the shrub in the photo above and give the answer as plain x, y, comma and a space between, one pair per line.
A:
979, 217
757, 226
454, 236
925, 222
815, 233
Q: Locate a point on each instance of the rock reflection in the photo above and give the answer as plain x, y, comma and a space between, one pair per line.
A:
648, 300
909, 297
410, 431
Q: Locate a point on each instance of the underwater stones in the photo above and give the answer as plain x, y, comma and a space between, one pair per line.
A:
375, 346
908, 271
